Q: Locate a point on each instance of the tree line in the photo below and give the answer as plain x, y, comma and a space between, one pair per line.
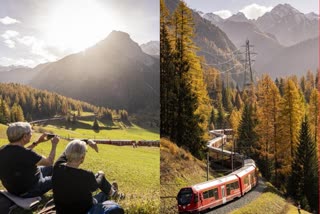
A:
24, 103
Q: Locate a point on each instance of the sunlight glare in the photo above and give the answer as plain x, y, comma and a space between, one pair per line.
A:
78, 24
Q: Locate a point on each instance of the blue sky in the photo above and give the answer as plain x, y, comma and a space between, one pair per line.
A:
234, 6
37, 31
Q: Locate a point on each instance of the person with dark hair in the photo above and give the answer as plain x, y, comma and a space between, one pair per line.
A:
23, 172
73, 187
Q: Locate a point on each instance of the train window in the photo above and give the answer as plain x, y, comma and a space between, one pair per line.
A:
206, 194
215, 193
195, 198
184, 196
236, 185
228, 189
246, 180
211, 193
252, 178
232, 186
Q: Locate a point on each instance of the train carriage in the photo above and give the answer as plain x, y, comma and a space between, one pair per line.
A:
216, 192
208, 194
247, 177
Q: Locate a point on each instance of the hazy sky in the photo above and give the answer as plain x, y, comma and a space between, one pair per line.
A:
37, 31
251, 8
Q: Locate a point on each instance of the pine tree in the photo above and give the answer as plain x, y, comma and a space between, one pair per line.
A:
212, 117
304, 179
221, 119
167, 75
247, 141
226, 99
95, 125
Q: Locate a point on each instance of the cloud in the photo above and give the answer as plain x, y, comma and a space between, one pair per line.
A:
10, 34
254, 11
10, 43
27, 40
5, 61
38, 47
223, 13
8, 21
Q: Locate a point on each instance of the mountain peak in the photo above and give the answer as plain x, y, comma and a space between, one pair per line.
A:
151, 48
213, 18
312, 16
284, 10
238, 17
118, 35
120, 42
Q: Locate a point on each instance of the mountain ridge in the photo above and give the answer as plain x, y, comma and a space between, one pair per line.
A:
114, 73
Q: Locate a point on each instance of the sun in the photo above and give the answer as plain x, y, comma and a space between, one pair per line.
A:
78, 24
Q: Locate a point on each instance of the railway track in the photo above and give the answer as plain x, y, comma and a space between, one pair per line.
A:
215, 145
218, 193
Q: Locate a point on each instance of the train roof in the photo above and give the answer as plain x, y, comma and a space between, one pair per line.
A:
214, 182
214, 140
243, 170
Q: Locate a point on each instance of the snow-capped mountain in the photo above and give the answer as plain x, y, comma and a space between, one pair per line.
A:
213, 18
151, 48
288, 24
200, 13
238, 17
282, 10
272, 35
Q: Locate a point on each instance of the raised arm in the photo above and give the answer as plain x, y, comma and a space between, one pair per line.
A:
50, 159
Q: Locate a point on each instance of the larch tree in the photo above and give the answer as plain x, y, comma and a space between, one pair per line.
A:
268, 113
313, 112
291, 111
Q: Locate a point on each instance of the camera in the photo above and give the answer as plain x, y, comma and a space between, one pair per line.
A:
49, 136
85, 140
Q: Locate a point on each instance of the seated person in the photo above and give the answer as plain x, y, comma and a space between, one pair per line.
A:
23, 172
73, 187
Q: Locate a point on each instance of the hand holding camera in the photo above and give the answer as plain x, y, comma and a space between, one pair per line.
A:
92, 144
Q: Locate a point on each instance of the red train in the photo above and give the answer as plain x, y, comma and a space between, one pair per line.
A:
219, 191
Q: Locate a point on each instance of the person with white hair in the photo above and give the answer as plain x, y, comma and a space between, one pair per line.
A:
73, 187
23, 172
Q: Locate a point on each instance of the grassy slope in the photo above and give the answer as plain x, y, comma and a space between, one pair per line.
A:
135, 170
83, 129
270, 201
179, 169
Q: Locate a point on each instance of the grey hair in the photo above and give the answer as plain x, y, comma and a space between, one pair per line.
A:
17, 130
75, 150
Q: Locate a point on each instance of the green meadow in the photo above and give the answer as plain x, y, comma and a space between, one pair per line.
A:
82, 128
135, 170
